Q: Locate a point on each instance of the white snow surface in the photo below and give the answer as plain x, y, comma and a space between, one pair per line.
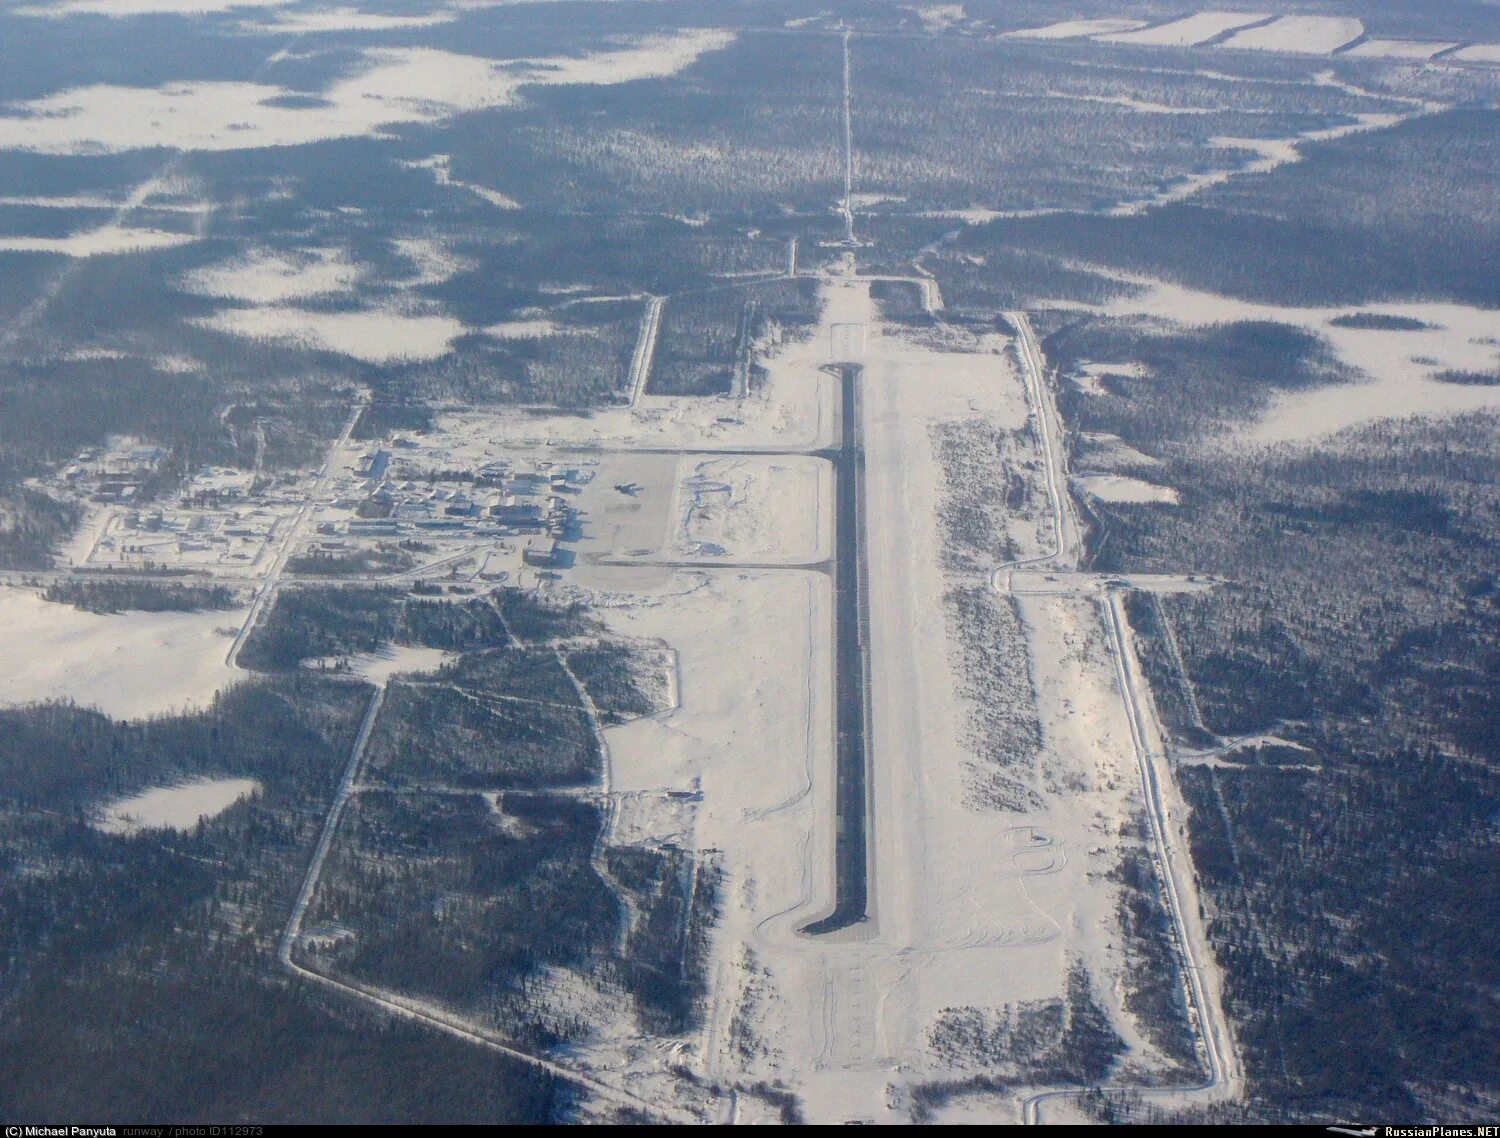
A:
441, 167
1120, 488
263, 276
376, 335
521, 329
1397, 49
1072, 29
128, 665
433, 259
1302, 35
1399, 365
396, 85
174, 807
1187, 31
104, 241
344, 19
1478, 53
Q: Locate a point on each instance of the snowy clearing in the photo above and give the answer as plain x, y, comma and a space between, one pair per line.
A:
342, 19
440, 166
1401, 365
433, 260
372, 334
1302, 35
174, 807
1397, 49
263, 276
1071, 29
1478, 53
397, 85
1187, 31
128, 665
1119, 488
104, 241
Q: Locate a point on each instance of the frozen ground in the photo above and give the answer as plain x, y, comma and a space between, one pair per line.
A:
1119, 488
1478, 53
128, 665
97, 242
439, 165
1302, 35
433, 260
1399, 365
1397, 49
1187, 31
174, 807
394, 85
376, 335
340, 19
263, 276
1071, 29
749, 508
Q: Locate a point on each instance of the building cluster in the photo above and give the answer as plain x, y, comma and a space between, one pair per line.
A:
392, 495
113, 472
387, 495
219, 515
169, 535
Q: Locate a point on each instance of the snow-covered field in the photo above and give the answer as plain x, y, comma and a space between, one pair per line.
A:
1302, 35
433, 260
439, 165
1397, 49
1071, 29
1187, 31
394, 85
97, 242
1119, 488
128, 665
521, 329
263, 276
1478, 53
1399, 365
373, 334
749, 508
339, 19
174, 807
1269, 154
